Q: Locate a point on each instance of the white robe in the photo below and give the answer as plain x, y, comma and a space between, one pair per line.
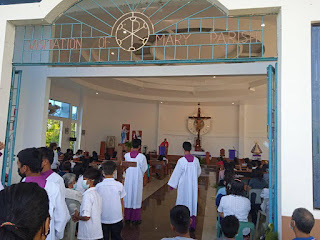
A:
133, 183
58, 211
55, 163
185, 178
1, 187
56, 178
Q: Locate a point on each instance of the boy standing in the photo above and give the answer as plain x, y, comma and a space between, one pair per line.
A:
112, 193
90, 211
180, 221
133, 184
185, 178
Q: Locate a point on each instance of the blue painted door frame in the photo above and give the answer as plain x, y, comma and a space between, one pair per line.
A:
272, 115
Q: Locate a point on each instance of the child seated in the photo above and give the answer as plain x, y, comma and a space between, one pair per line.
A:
180, 222
90, 211
112, 193
229, 227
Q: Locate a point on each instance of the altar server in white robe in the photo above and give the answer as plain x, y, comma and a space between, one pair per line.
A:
185, 178
134, 184
29, 167
47, 156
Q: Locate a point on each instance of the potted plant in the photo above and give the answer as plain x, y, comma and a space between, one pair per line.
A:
128, 146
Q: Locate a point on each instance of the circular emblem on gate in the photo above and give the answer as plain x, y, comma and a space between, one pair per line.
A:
132, 31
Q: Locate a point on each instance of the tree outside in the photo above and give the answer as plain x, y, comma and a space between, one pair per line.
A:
53, 131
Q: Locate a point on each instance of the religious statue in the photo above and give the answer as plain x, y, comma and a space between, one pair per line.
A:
124, 133
256, 152
199, 125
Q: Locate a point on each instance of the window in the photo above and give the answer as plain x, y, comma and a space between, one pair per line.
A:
73, 134
59, 109
53, 131
74, 113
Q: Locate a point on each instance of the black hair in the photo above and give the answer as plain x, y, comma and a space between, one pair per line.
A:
46, 153
236, 161
237, 188
230, 226
136, 143
187, 146
304, 220
79, 152
93, 174
108, 167
78, 170
66, 166
180, 218
59, 149
52, 145
31, 157
160, 158
258, 174
26, 205
95, 155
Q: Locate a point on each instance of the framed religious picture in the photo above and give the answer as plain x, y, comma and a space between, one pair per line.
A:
134, 135
111, 142
137, 134
125, 133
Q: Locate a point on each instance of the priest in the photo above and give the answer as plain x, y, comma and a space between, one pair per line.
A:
133, 184
185, 179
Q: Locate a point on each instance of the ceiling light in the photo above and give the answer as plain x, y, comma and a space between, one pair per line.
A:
97, 93
124, 31
161, 102
252, 89
263, 25
112, 53
233, 103
214, 76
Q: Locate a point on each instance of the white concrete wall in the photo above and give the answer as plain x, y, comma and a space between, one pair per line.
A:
102, 118
33, 113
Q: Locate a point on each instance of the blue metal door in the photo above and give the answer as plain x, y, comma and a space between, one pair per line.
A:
272, 136
9, 156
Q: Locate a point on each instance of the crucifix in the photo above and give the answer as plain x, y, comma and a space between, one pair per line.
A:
199, 122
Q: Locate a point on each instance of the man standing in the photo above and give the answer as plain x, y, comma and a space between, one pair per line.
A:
185, 178
47, 156
53, 146
302, 222
29, 167
134, 184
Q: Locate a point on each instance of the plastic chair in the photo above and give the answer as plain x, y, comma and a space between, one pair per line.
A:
242, 226
258, 194
219, 232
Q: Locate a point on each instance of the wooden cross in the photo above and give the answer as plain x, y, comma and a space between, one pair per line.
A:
199, 120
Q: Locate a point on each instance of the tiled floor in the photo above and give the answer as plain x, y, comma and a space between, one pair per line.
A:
158, 200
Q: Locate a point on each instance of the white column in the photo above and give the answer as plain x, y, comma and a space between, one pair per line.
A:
242, 131
6, 53
33, 111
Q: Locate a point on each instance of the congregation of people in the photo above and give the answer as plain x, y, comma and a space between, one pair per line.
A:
69, 199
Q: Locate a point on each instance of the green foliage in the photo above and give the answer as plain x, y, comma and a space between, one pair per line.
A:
128, 144
53, 131
202, 160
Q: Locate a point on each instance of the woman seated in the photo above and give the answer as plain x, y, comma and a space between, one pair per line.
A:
257, 182
236, 204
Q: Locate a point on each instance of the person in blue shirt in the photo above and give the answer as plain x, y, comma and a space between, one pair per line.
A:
302, 222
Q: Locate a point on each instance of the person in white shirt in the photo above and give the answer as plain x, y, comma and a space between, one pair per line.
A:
47, 156
236, 204
29, 167
55, 164
112, 193
185, 178
180, 222
133, 184
70, 184
91, 207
